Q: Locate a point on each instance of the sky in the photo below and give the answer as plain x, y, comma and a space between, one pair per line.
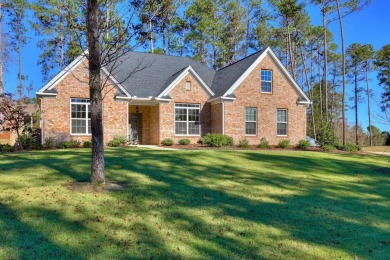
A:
369, 26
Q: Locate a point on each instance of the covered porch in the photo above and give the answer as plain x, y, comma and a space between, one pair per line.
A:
143, 123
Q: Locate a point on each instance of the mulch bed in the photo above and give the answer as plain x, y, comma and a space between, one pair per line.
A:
251, 147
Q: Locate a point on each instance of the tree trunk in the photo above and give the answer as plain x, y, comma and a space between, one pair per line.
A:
343, 55
1, 49
356, 105
369, 105
320, 83
95, 92
20, 76
151, 37
325, 60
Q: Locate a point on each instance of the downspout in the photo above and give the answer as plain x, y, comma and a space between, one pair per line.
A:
223, 117
41, 118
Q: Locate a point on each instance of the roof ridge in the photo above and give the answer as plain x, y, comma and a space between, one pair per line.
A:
240, 60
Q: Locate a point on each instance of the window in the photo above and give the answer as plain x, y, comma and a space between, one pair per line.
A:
266, 81
282, 122
188, 85
187, 119
250, 121
80, 117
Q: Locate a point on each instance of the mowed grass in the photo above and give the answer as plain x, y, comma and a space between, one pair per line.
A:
196, 204
378, 149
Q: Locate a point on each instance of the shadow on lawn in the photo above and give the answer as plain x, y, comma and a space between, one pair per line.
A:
21, 241
313, 212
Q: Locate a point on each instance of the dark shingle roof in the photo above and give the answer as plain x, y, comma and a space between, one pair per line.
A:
227, 76
155, 72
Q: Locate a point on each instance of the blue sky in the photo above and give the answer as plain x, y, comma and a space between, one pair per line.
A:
371, 25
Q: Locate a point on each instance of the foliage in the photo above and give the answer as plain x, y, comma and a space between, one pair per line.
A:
50, 142
13, 113
328, 148
243, 143
196, 198
29, 140
64, 145
264, 144
284, 143
114, 143
123, 140
349, 147
229, 140
87, 144
167, 142
325, 133
382, 62
6, 148
184, 141
217, 140
303, 144
75, 143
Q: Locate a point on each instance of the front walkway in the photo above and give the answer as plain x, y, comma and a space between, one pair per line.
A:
154, 147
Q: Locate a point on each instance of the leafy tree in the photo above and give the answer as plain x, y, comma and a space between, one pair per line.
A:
382, 61
13, 115
376, 134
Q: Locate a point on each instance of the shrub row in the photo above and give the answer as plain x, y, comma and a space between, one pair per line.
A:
6, 148
118, 140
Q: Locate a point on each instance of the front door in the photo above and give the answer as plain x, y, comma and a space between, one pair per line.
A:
135, 128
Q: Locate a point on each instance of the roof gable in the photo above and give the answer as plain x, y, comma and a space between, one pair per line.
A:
303, 98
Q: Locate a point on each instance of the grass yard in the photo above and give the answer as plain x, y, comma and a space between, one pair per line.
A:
196, 204
378, 149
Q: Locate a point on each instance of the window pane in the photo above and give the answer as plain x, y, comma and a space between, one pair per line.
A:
193, 128
78, 126
181, 128
282, 129
266, 86
266, 81
193, 115
181, 114
250, 114
89, 126
250, 128
282, 116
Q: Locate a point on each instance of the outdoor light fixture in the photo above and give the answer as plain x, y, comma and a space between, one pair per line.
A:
137, 109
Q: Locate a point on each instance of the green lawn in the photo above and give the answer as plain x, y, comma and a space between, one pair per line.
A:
196, 204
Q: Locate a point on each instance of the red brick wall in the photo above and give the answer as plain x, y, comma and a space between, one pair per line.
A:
216, 118
249, 95
56, 111
197, 95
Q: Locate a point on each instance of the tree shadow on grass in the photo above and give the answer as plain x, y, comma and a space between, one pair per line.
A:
181, 186
19, 240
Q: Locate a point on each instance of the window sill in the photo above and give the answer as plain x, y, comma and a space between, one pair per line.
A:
281, 135
81, 134
251, 135
187, 135
267, 93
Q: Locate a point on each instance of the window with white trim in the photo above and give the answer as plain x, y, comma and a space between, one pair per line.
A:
187, 121
266, 81
282, 122
80, 116
250, 121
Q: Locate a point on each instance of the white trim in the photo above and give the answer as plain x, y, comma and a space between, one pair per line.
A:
86, 118
223, 118
221, 100
189, 69
63, 73
245, 108
46, 94
271, 81
269, 52
187, 121
277, 122
116, 82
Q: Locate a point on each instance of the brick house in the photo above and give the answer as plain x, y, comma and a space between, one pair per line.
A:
176, 97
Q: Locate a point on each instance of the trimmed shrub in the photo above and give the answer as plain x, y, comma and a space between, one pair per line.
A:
6, 148
229, 141
243, 143
349, 147
114, 143
328, 148
303, 144
87, 144
29, 141
50, 142
184, 141
75, 143
167, 142
284, 144
122, 139
264, 144
64, 145
217, 140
